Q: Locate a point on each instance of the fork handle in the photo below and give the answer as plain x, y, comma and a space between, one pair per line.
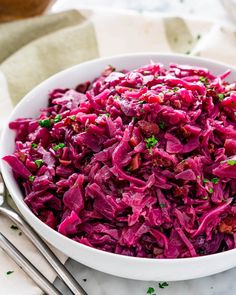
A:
27, 266
60, 269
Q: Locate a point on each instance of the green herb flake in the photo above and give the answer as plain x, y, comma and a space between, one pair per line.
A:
151, 141
31, 178
162, 125
233, 103
107, 115
162, 205
231, 162
151, 290
45, 123
202, 79
221, 96
58, 146
116, 97
175, 89
215, 180
38, 163
163, 285
113, 68
210, 190
57, 118
142, 102
9, 272
14, 227
205, 180
156, 76
73, 117
34, 145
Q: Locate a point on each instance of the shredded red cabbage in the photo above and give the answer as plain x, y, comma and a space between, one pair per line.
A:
139, 163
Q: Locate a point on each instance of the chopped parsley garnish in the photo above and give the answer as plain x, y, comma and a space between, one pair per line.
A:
34, 145
231, 162
9, 272
150, 290
215, 180
57, 118
210, 190
163, 285
205, 180
73, 117
151, 141
38, 163
58, 146
233, 103
202, 79
162, 125
31, 178
108, 115
142, 102
221, 96
116, 97
45, 123
175, 89
162, 205
14, 227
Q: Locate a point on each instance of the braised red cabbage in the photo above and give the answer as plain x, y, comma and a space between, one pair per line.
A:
139, 163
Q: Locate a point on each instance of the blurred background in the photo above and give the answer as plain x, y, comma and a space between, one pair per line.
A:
218, 10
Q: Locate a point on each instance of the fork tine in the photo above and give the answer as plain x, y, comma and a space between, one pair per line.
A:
27, 266
52, 259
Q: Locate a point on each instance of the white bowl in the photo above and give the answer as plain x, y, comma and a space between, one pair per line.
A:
118, 265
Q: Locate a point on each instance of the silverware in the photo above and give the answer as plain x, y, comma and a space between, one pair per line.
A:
60, 269
27, 266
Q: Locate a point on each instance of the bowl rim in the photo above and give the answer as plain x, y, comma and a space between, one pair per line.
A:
20, 203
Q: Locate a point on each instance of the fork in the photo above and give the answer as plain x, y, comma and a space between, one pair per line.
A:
55, 263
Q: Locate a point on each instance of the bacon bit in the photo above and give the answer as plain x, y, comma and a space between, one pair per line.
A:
177, 104
180, 191
161, 162
76, 127
211, 148
181, 166
152, 98
122, 89
65, 162
135, 162
82, 88
22, 156
148, 128
184, 132
228, 225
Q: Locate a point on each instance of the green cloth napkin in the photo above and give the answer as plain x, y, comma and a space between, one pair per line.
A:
32, 50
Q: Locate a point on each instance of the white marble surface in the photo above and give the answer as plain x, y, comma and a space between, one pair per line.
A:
98, 283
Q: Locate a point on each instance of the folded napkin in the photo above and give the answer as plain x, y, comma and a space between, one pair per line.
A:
32, 50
